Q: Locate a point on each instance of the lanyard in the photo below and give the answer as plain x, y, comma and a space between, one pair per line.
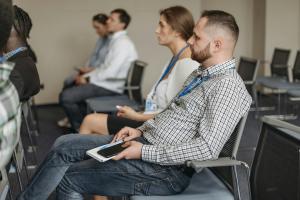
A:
14, 52
2, 59
195, 83
170, 67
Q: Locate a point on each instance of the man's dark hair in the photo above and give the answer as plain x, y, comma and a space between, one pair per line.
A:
224, 19
23, 24
6, 20
100, 18
124, 17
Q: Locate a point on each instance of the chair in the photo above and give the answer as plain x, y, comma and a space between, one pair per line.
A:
280, 84
279, 64
275, 172
211, 184
132, 92
247, 69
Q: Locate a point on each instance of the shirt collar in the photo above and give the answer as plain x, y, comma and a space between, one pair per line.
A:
118, 34
216, 69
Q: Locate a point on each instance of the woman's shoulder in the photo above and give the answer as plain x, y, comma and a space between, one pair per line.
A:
188, 62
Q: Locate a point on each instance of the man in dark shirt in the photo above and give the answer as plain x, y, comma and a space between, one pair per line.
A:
24, 76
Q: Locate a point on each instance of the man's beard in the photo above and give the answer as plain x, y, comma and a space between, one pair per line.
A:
202, 55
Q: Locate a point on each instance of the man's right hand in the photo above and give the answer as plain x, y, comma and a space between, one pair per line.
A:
127, 134
84, 70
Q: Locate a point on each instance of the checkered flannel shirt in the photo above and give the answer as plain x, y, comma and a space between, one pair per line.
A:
10, 117
196, 126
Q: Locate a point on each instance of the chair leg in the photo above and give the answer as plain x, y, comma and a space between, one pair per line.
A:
246, 166
10, 193
236, 188
30, 138
25, 166
18, 171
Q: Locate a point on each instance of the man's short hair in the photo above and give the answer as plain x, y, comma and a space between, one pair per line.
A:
100, 18
6, 20
223, 19
124, 17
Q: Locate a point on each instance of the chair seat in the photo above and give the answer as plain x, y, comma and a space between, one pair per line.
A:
277, 83
108, 104
294, 93
204, 186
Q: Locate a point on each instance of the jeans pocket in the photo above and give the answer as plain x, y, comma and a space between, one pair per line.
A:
160, 187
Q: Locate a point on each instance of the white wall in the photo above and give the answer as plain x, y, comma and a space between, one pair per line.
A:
282, 27
63, 37
242, 10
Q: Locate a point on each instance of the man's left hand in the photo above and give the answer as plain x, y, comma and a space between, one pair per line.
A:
80, 80
133, 151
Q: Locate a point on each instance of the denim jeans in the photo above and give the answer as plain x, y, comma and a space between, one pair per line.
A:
68, 169
72, 99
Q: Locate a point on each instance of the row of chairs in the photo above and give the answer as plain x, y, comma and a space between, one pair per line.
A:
283, 79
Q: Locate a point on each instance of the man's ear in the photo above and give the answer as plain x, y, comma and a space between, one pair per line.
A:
217, 44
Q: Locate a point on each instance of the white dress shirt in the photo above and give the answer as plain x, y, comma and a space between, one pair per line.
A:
118, 60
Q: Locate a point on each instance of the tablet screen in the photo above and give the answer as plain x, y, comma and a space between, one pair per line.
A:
112, 150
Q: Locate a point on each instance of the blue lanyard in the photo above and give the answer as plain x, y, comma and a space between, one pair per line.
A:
170, 67
195, 83
14, 52
2, 59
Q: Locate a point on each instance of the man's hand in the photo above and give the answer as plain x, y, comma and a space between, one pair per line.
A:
127, 134
133, 151
86, 69
80, 80
128, 112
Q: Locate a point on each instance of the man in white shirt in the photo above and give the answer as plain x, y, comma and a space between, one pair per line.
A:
96, 83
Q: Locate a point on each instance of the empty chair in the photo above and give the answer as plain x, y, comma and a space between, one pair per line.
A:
279, 64
247, 69
207, 185
132, 94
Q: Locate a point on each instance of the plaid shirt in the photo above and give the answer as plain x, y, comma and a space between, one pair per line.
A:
196, 126
10, 117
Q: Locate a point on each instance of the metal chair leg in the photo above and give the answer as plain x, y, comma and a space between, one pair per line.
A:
246, 166
18, 171
237, 193
30, 138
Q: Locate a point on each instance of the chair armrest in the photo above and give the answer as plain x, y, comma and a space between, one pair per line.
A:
280, 66
248, 82
130, 88
116, 79
220, 162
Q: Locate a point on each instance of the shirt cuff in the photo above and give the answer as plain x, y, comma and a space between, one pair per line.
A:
148, 153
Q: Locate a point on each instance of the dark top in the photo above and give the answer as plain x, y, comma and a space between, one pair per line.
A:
24, 76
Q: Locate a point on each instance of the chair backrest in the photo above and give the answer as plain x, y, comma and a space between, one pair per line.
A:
296, 68
279, 64
231, 146
134, 81
247, 69
275, 171
230, 150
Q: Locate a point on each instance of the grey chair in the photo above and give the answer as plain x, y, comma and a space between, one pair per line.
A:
280, 83
247, 69
210, 184
132, 93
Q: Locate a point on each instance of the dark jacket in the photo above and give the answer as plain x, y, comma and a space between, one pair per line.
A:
24, 76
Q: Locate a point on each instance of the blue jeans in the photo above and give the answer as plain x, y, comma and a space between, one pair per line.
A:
72, 99
68, 169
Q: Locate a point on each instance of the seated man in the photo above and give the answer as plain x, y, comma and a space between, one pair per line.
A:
24, 76
121, 53
195, 126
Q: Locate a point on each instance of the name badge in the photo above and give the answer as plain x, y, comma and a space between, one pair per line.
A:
151, 105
